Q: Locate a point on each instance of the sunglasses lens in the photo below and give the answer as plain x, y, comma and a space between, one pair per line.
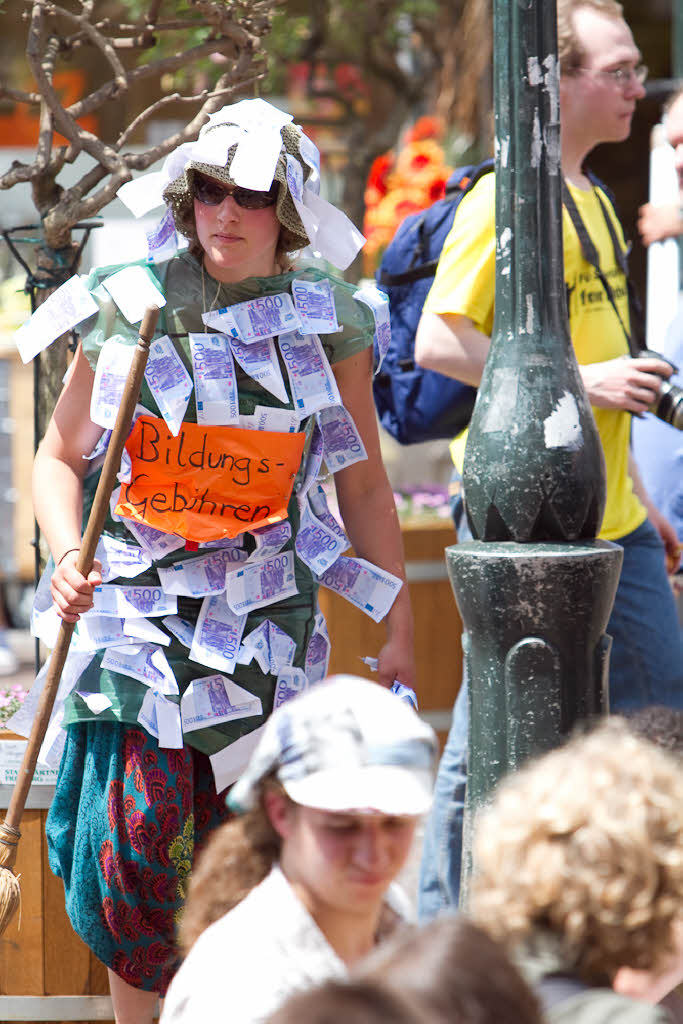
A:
208, 192
251, 199
212, 193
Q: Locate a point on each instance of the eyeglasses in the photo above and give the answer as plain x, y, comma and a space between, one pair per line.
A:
210, 192
621, 77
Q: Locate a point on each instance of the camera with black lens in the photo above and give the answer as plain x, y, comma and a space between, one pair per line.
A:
668, 405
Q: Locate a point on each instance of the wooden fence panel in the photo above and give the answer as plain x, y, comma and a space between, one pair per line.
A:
438, 628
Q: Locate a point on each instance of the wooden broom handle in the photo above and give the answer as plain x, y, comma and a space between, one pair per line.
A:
93, 530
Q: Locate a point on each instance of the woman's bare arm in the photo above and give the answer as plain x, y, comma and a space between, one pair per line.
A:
58, 473
367, 506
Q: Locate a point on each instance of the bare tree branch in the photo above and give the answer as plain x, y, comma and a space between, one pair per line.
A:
6, 92
174, 97
227, 27
99, 41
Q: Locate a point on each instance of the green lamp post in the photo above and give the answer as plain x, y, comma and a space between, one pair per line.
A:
534, 588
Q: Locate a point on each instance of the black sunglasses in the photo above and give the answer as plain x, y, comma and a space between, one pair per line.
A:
210, 192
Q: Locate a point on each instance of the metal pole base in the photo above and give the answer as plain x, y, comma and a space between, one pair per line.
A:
536, 651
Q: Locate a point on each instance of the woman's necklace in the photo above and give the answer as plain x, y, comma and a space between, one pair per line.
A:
205, 310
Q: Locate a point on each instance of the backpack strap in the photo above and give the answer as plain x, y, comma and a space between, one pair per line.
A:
458, 185
590, 254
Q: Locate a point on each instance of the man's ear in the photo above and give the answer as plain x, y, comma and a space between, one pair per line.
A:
280, 811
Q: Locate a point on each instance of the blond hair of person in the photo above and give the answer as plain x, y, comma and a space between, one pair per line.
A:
586, 844
568, 46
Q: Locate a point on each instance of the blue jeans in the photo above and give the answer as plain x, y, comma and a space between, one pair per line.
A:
646, 667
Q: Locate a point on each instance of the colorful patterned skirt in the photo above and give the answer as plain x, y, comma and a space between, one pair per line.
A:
124, 827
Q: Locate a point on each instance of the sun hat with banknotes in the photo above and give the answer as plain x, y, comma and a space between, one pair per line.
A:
344, 745
252, 144
249, 138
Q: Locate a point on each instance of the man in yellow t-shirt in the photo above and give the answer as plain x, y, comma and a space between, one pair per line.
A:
601, 80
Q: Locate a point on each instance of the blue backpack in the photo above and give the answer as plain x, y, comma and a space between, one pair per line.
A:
415, 404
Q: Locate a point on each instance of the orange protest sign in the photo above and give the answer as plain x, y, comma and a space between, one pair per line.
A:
209, 481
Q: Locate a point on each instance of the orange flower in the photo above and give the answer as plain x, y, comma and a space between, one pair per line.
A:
437, 187
399, 186
425, 127
417, 157
379, 172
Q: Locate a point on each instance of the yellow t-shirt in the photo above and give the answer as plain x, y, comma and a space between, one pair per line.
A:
465, 284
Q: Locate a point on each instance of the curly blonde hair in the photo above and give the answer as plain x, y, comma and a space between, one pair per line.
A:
568, 47
586, 844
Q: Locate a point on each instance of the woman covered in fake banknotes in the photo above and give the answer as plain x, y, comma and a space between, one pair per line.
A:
201, 614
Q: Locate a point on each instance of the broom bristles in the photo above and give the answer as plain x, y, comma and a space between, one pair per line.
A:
10, 897
10, 893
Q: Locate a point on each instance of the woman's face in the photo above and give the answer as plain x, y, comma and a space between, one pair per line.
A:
237, 242
345, 861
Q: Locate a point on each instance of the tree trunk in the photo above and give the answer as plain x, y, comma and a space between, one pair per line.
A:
54, 266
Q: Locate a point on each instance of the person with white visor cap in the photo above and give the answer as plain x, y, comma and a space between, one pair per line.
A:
300, 885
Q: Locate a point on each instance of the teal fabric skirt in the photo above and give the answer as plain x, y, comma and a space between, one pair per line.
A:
123, 830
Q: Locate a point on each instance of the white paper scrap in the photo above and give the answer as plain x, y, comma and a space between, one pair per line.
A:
146, 662
161, 719
259, 360
378, 304
229, 763
370, 588
315, 305
265, 317
182, 629
255, 160
286, 421
249, 114
168, 380
214, 379
144, 193
217, 635
133, 290
197, 577
121, 559
318, 651
337, 238
316, 545
214, 699
310, 375
124, 602
342, 444
290, 683
162, 239
144, 629
21, 722
213, 147
96, 702
261, 583
66, 307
